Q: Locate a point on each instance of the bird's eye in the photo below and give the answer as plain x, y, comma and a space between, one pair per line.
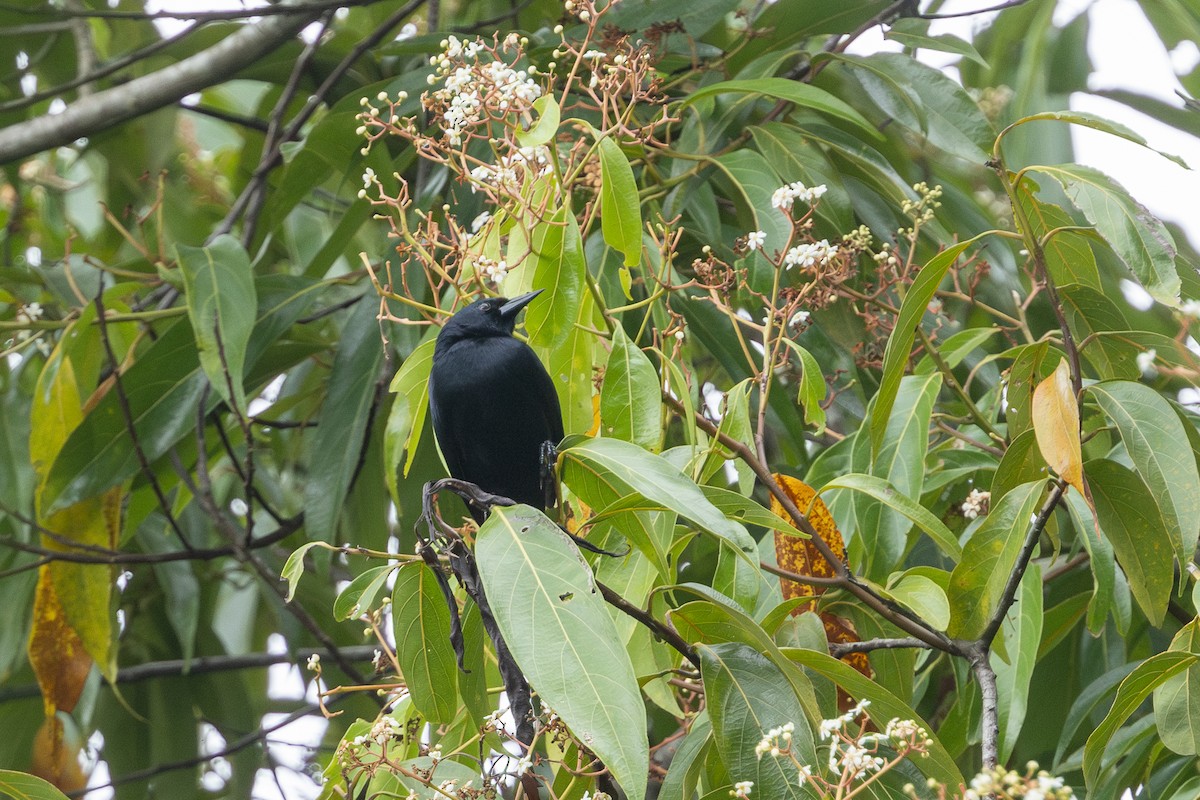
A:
486, 307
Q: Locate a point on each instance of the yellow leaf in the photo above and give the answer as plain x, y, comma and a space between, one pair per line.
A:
1056, 425
83, 591
60, 663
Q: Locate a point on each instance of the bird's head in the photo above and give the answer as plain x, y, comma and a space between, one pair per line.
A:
491, 316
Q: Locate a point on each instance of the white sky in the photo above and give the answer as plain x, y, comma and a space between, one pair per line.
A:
1127, 54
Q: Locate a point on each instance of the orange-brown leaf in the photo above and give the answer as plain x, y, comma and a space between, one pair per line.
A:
54, 760
60, 662
840, 630
1056, 425
800, 555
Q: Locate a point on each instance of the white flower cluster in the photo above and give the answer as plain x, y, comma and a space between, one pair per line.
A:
523, 163
28, 313
384, 729
472, 90
755, 240
903, 730
809, 254
742, 789
1145, 361
976, 504
921, 210
775, 741
494, 271
828, 727
1190, 308
1005, 784
854, 760
785, 197
578, 9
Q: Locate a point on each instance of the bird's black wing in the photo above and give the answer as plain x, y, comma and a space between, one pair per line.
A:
493, 406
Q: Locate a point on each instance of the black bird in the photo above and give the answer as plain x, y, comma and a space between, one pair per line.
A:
493, 403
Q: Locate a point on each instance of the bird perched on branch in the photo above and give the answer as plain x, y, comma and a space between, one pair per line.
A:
493, 404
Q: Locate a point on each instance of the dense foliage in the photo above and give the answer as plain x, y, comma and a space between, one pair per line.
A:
905, 492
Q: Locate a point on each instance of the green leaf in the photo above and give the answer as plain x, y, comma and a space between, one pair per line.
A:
1177, 701
421, 623
1133, 525
1100, 558
627, 469
1158, 446
956, 348
406, 421
558, 267
561, 635
747, 511
20, 786
801, 94
1022, 631
1087, 706
924, 596
359, 595
219, 285
1069, 259
1134, 690
884, 706
546, 127
293, 568
988, 558
1138, 237
163, 388
901, 457
1100, 124
914, 33
883, 491
684, 772
334, 450
746, 696
899, 345
620, 210
756, 180
944, 114
716, 621
630, 397
812, 386
570, 366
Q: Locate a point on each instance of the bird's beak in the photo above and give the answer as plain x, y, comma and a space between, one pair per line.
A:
510, 309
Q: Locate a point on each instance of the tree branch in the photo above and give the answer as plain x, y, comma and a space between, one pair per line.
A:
178, 667
106, 109
844, 578
1018, 572
234, 14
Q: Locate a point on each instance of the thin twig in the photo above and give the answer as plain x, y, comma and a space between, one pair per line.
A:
274, 123
126, 412
659, 629
270, 160
988, 10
